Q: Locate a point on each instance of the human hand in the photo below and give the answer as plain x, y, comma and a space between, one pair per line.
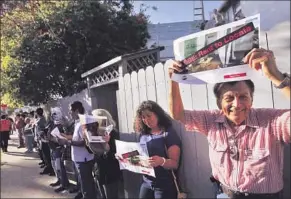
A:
175, 67
156, 161
265, 60
120, 158
106, 138
64, 135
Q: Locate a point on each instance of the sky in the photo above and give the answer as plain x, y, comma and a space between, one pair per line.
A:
175, 11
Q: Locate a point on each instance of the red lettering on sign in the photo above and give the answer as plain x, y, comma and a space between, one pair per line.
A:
235, 75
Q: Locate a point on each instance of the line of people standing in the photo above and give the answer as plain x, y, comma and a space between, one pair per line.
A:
97, 175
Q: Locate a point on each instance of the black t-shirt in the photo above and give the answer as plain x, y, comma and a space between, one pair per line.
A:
108, 165
156, 146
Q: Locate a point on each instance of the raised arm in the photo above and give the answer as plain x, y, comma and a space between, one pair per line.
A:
265, 60
193, 120
175, 101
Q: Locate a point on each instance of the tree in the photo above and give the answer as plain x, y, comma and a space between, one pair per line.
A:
68, 38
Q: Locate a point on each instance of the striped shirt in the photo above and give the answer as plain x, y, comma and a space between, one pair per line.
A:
259, 143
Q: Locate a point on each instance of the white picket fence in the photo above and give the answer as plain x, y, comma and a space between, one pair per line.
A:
152, 84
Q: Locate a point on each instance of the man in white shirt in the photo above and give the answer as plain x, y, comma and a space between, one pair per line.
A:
81, 156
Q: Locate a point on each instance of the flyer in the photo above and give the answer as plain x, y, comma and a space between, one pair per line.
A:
133, 157
215, 55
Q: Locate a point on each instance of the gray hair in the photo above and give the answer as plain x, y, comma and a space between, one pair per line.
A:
104, 113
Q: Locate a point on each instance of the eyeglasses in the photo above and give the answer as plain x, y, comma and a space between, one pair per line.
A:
233, 148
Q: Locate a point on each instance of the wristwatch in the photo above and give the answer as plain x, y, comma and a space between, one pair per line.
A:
285, 82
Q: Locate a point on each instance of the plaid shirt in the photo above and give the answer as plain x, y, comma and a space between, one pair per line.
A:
258, 167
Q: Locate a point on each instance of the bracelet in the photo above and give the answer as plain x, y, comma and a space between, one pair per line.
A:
285, 82
164, 161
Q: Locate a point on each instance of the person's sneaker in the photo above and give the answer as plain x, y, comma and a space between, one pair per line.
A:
28, 151
41, 163
59, 189
57, 183
21, 146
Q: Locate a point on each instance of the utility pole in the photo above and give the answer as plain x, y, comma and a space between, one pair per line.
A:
198, 13
198, 8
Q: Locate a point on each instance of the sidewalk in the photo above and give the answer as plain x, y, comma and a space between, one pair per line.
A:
20, 176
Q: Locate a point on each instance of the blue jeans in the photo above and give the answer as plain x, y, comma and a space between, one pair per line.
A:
148, 191
59, 167
85, 175
29, 142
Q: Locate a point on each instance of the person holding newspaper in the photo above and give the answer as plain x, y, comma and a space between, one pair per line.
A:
245, 143
109, 172
81, 156
163, 145
58, 124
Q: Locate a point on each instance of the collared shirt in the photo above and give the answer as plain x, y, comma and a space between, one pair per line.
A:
79, 153
259, 142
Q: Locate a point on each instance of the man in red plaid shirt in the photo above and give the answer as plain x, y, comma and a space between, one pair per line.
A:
245, 143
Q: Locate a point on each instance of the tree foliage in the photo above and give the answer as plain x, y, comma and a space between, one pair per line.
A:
49, 44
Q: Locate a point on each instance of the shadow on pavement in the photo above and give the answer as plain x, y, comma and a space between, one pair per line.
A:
22, 154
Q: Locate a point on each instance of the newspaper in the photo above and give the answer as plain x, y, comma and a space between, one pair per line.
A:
56, 133
134, 157
215, 55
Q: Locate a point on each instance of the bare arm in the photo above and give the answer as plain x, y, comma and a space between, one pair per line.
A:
265, 60
175, 102
276, 80
172, 162
176, 107
174, 155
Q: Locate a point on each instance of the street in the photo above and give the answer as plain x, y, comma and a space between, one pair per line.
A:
20, 176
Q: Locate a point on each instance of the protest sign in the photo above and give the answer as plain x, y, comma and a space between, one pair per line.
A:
133, 157
215, 55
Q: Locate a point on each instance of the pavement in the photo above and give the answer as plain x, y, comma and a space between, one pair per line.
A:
20, 176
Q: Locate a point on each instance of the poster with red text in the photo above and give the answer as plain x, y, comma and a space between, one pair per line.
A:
215, 55
133, 157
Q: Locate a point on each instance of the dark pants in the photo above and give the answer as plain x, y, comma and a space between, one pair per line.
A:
20, 136
86, 180
46, 156
108, 191
111, 190
150, 192
40, 155
4, 137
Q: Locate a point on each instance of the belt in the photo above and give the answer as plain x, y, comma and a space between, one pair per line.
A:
237, 194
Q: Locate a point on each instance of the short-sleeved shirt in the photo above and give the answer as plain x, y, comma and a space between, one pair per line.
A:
40, 125
156, 146
258, 167
79, 153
